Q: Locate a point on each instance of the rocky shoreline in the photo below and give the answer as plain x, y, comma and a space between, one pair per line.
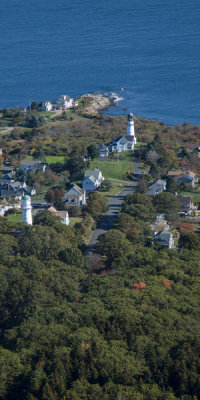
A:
97, 102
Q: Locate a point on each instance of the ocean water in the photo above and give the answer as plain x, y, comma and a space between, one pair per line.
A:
148, 52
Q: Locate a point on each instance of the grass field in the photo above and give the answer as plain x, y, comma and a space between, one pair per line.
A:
14, 218
54, 159
140, 144
116, 188
74, 220
195, 196
113, 169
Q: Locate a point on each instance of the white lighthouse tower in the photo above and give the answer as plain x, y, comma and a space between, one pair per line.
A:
26, 210
130, 127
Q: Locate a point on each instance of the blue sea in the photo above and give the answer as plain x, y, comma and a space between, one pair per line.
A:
146, 52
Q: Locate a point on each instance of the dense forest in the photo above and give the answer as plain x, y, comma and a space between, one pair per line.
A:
123, 322
129, 330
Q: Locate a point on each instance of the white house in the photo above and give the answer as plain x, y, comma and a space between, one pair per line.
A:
125, 142
165, 238
75, 196
92, 179
156, 188
63, 215
44, 106
63, 102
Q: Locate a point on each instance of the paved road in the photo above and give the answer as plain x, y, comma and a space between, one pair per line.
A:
114, 207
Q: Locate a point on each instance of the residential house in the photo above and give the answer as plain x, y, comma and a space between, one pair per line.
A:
187, 206
31, 165
121, 144
64, 102
156, 188
7, 205
165, 238
188, 179
63, 215
44, 106
92, 179
103, 151
75, 196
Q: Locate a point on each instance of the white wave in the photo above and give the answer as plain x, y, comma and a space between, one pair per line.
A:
116, 97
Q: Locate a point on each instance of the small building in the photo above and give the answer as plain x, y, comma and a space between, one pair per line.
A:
187, 179
64, 102
165, 238
63, 215
92, 179
75, 196
156, 188
103, 151
121, 144
44, 106
187, 206
31, 165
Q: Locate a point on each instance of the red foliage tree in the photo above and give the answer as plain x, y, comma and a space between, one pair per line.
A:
166, 283
139, 286
186, 226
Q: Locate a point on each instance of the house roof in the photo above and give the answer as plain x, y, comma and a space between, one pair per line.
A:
163, 235
159, 182
30, 162
185, 178
179, 173
127, 138
185, 201
92, 173
102, 147
90, 178
75, 188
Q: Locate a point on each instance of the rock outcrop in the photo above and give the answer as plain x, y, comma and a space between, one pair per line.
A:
96, 103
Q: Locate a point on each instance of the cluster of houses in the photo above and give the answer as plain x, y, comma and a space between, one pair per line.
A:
76, 196
159, 225
12, 189
63, 102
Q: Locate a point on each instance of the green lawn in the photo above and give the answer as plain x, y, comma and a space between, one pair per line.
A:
54, 159
74, 220
195, 196
116, 188
112, 169
140, 144
14, 218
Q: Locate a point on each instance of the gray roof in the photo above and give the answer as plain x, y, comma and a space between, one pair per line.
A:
117, 139
102, 147
159, 182
30, 162
92, 173
75, 188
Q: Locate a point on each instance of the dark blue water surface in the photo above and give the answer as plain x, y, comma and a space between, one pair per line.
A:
151, 48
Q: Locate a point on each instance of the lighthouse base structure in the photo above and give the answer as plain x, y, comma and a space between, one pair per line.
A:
27, 210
